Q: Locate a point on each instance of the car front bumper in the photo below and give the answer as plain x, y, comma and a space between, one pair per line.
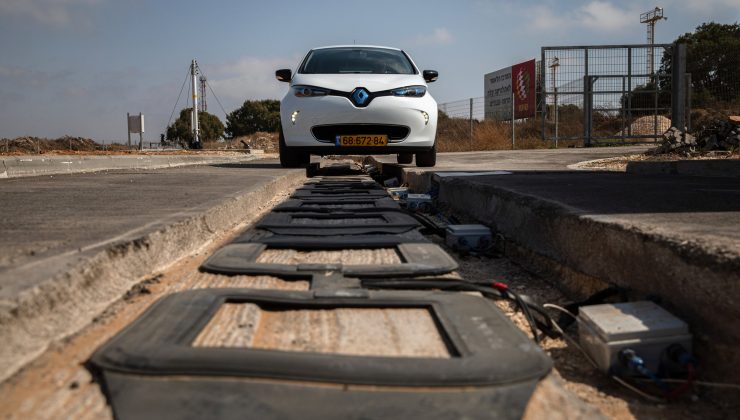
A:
299, 115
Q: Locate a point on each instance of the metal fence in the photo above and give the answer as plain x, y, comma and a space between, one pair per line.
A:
605, 94
471, 108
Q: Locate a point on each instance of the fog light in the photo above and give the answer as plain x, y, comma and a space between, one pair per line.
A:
293, 116
426, 117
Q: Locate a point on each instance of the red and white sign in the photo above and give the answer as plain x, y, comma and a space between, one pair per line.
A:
523, 88
517, 81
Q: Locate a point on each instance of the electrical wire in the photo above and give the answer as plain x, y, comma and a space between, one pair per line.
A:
701, 383
637, 391
494, 290
178, 97
211, 89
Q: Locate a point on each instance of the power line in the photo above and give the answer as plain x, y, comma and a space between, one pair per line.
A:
226, 114
178, 97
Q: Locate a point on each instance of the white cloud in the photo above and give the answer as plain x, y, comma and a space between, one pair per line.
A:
705, 5
26, 77
597, 14
51, 12
440, 36
247, 78
604, 15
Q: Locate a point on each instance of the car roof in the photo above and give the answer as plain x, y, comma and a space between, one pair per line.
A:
356, 46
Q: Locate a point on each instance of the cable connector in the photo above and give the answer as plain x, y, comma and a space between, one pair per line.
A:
501, 287
629, 359
678, 354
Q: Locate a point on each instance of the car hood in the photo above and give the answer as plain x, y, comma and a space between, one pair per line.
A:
348, 82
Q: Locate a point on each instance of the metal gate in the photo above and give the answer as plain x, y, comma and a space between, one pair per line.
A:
605, 94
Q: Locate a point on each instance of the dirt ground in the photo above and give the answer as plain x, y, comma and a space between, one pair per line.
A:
619, 164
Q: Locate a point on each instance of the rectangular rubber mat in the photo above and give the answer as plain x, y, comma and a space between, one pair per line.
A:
417, 259
337, 223
328, 205
152, 369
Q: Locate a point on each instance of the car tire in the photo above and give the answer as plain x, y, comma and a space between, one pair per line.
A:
427, 159
291, 159
404, 158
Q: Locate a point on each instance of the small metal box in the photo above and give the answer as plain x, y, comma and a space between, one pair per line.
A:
646, 328
419, 202
468, 237
399, 192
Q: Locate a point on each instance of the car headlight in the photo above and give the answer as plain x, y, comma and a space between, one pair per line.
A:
306, 91
410, 91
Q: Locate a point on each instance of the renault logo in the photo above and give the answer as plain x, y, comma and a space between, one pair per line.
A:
360, 96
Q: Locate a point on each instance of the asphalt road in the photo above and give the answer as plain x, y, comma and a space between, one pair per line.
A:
526, 160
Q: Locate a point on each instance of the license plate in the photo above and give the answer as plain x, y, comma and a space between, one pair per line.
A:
363, 140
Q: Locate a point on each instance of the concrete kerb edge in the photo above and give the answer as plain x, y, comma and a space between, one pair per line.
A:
63, 305
87, 164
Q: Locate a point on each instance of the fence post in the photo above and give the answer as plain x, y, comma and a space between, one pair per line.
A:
513, 129
678, 88
556, 117
471, 123
587, 111
688, 101
128, 129
543, 88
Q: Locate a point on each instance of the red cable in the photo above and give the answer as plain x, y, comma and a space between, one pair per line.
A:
501, 287
686, 386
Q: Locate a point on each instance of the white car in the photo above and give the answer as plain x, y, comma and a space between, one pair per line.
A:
358, 99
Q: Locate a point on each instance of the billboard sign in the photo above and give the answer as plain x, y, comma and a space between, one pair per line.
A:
497, 88
517, 82
523, 75
136, 123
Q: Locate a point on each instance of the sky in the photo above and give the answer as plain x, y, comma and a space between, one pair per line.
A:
76, 67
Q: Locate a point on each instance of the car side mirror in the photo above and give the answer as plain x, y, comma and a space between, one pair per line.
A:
283, 75
430, 75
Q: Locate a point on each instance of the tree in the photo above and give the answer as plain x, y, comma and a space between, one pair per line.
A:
254, 116
713, 59
210, 127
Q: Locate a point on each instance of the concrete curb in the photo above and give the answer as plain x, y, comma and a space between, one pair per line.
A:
35, 165
696, 282
709, 168
67, 302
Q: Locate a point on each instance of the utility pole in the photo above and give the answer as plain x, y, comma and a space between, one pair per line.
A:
203, 104
471, 123
651, 18
194, 116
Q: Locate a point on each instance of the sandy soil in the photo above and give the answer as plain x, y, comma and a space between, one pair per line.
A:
619, 164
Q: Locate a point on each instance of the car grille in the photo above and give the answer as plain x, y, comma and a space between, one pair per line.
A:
329, 133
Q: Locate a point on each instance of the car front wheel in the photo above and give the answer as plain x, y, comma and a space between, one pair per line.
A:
427, 159
404, 158
291, 159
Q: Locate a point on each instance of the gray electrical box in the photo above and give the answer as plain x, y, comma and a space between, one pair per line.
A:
643, 326
468, 237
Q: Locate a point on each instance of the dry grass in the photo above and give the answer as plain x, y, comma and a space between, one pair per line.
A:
453, 135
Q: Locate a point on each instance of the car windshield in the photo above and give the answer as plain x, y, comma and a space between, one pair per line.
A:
357, 60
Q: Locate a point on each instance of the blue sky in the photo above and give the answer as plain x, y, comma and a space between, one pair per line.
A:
77, 66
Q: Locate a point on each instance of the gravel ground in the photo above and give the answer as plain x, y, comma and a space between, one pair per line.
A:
619, 164
572, 366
